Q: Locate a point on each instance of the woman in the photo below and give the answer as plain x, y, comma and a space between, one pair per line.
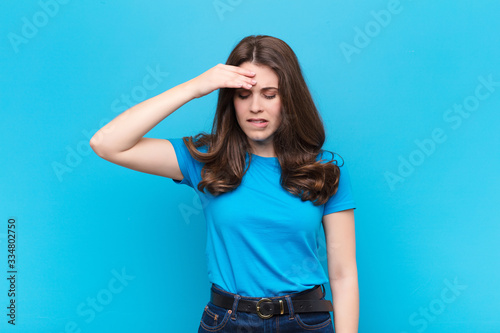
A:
265, 185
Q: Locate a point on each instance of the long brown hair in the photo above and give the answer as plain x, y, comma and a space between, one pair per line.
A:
297, 141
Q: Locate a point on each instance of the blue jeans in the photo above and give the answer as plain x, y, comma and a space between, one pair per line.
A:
218, 319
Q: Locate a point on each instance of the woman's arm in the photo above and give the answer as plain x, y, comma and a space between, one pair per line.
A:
121, 140
124, 131
342, 269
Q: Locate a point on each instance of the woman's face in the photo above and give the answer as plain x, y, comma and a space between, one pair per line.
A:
262, 101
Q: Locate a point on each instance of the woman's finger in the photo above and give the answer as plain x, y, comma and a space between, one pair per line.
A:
240, 70
239, 84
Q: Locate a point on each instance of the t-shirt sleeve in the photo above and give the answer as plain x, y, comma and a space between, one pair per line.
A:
343, 199
190, 168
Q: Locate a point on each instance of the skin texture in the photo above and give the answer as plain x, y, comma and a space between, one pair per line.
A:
342, 269
260, 101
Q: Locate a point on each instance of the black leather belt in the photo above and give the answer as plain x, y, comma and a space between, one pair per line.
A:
304, 301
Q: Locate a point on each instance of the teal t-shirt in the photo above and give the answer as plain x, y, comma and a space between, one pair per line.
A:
261, 239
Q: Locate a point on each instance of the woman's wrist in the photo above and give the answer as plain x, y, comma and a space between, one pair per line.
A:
192, 89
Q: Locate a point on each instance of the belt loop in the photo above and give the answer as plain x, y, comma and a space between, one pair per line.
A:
235, 306
324, 291
290, 306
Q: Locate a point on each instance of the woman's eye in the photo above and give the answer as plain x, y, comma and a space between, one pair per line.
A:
265, 96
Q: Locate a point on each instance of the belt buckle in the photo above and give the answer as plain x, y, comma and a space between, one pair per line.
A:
264, 316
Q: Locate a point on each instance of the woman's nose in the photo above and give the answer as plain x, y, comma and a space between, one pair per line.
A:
255, 105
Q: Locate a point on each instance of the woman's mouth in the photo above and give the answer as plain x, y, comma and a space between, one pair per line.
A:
259, 123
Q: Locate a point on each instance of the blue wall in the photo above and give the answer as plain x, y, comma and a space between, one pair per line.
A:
410, 95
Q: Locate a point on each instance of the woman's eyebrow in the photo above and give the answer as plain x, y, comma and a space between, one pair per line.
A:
269, 88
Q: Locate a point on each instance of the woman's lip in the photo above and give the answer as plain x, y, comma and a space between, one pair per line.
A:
262, 124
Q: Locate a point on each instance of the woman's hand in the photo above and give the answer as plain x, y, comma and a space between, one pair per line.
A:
222, 76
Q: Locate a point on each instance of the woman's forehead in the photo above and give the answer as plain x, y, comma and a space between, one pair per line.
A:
260, 70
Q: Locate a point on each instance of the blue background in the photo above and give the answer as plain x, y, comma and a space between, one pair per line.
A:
427, 216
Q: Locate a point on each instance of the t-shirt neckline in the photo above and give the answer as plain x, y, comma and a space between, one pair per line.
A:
274, 161
265, 157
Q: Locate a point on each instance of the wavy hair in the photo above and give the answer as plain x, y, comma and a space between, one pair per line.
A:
297, 141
